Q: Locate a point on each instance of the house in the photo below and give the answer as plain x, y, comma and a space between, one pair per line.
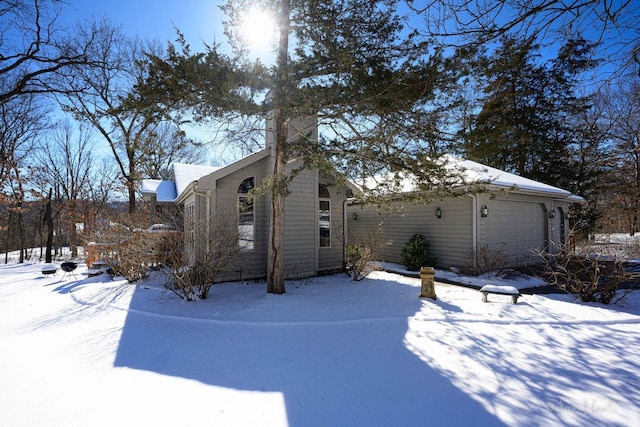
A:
314, 241
495, 213
162, 194
492, 211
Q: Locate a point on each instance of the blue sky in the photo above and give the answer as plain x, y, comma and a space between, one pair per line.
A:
199, 20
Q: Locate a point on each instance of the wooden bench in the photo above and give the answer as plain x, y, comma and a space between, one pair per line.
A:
500, 290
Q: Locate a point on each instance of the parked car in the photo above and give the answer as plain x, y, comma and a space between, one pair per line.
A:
160, 228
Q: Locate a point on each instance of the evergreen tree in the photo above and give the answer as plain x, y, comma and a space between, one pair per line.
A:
528, 122
355, 64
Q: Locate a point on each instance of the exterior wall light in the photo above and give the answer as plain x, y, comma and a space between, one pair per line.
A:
552, 213
484, 211
354, 216
438, 212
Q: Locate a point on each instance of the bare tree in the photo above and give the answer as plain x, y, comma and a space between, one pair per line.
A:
66, 160
622, 107
22, 119
97, 95
167, 144
36, 48
614, 24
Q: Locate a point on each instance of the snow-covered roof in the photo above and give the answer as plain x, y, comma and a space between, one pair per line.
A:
184, 174
150, 185
471, 172
477, 172
165, 191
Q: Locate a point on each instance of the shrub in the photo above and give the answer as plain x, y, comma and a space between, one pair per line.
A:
208, 251
361, 254
416, 253
488, 260
590, 278
132, 257
358, 257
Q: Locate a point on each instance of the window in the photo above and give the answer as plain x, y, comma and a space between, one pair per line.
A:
190, 229
324, 216
246, 220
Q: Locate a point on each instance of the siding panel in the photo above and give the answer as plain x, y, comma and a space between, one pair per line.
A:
450, 236
300, 240
253, 264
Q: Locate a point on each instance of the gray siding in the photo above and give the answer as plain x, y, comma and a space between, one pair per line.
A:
332, 258
300, 228
252, 264
450, 236
519, 226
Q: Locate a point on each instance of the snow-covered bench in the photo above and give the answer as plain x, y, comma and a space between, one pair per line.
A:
500, 290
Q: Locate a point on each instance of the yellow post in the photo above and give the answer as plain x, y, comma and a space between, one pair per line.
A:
428, 290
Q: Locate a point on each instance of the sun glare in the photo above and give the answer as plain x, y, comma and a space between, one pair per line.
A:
257, 29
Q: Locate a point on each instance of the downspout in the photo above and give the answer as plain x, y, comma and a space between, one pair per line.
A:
474, 227
345, 231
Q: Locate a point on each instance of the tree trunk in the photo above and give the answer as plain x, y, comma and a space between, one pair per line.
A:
279, 191
132, 196
21, 234
6, 239
275, 268
49, 221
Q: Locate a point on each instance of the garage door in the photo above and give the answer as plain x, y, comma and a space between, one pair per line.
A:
517, 227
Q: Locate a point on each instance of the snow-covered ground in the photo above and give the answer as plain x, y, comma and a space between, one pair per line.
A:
91, 352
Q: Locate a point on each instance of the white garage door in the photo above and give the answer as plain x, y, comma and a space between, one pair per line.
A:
516, 227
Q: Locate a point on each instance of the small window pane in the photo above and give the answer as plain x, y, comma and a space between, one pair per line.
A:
246, 185
323, 191
245, 223
324, 216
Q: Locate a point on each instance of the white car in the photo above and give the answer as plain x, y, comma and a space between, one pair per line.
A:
159, 228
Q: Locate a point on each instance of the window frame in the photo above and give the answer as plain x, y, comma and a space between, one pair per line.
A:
246, 208
324, 215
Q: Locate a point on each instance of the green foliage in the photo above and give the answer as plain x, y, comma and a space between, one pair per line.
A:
357, 65
530, 114
416, 253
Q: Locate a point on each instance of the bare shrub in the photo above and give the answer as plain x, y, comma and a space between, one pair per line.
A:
131, 261
196, 262
590, 277
124, 246
487, 260
361, 254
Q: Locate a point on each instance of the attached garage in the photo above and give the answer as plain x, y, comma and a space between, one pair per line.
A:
513, 215
517, 227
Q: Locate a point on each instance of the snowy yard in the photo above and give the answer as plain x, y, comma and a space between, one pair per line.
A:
91, 352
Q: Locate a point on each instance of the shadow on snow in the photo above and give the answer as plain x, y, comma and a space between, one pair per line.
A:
351, 372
